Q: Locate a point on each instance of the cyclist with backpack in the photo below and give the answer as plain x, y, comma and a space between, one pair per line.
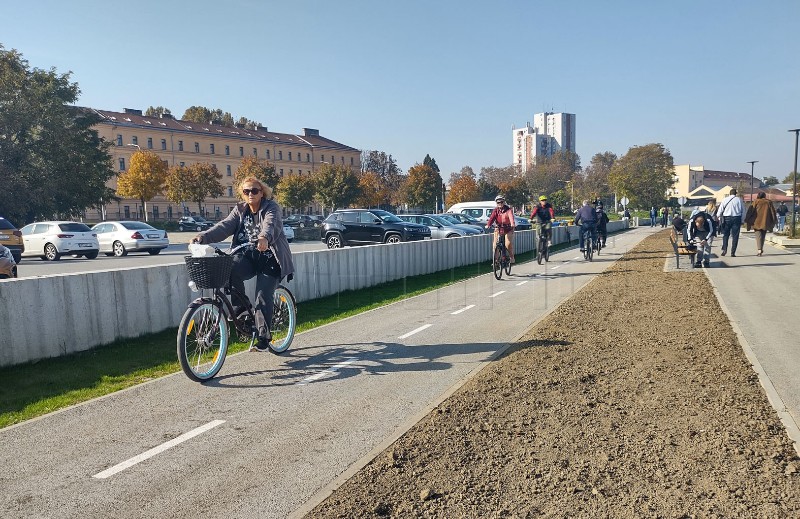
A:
544, 214
602, 220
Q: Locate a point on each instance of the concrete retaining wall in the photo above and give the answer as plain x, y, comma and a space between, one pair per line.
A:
50, 316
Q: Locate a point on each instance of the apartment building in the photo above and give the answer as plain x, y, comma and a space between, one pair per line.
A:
550, 133
183, 143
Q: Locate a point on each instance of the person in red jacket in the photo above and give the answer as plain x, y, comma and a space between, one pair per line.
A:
504, 217
544, 215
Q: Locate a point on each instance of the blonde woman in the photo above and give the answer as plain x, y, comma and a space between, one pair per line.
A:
711, 210
257, 219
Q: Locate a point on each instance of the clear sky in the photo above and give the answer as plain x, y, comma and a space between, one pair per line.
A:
716, 81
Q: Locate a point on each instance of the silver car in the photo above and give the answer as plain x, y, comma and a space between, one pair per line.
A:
120, 238
440, 227
462, 219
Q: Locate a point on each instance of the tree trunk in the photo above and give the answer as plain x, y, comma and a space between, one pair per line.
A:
144, 208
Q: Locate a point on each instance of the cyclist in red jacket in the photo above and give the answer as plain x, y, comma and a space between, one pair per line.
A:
504, 217
544, 214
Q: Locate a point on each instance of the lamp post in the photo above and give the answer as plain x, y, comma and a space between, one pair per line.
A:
794, 188
752, 168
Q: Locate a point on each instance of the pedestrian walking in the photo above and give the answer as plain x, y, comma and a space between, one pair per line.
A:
730, 214
781, 212
761, 217
653, 216
663, 215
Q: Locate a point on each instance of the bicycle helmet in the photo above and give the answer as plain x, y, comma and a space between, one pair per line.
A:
499, 198
542, 198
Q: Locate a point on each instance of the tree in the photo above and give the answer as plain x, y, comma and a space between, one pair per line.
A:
263, 170
335, 185
178, 184
594, 182
515, 191
248, 124
790, 178
296, 191
144, 179
644, 175
373, 190
496, 176
463, 187
157, 111
431, 162
379, 162
52, 162
770, 181
202, 114
422, 187
205, 183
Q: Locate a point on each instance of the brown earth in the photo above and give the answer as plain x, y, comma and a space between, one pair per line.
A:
602, 413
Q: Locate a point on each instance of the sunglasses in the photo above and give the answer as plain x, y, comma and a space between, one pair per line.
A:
254, 191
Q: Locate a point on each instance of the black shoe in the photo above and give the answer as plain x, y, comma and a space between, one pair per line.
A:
733, 254
706, 264
724, 252
698, 264
262, 344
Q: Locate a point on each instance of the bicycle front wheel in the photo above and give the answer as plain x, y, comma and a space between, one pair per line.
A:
540, 252
507, 265
497, 264
284, 320
202, 341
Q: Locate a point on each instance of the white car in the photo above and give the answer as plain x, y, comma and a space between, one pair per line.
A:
120, 238
51, 240
289, 232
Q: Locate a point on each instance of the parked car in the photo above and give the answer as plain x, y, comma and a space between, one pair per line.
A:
523, 224
365, 226
482, 210
12, 239
120, 238
460, 218
194, 223
440, 227
289, 232
300, 220
51, 240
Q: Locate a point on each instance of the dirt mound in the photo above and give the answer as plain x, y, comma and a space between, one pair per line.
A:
632, 399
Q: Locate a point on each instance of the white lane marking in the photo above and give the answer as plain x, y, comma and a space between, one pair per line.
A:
553, 268
518, 284
577, 257
332, 369
497, 294
156, 450
462, 310
412, 332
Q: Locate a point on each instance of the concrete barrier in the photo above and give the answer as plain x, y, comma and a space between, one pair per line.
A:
49, 316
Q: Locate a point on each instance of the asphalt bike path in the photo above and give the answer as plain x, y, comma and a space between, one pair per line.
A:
760, 296
272, 432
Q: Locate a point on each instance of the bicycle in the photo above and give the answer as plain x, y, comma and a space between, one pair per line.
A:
500, 259
588, 245
543, 249
204, 331
599, 243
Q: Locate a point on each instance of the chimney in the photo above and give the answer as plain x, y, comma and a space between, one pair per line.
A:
132, 111
262, 128
166, 116
310, 132
239, 125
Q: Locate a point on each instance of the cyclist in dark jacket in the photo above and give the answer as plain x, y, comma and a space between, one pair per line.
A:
602, 220
587, 219
544, 214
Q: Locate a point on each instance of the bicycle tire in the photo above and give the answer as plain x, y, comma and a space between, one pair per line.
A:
507, 264
284, 320
547, 253
590, 250
540, 251
202, 340
497, 266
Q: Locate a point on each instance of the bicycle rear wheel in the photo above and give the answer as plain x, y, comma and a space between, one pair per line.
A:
540, 252
497, 264
507, 264
590, 250
202, 340
284, 320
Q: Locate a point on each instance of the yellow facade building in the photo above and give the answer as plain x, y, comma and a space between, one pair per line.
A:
184, 142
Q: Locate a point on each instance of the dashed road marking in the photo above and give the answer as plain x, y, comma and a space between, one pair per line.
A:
462, 310
553, 268
522, 283
412, 332
157, 450
497, 294
332, 369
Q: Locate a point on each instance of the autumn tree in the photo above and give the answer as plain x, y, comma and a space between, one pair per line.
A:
144, 179
550, 174
387, 169
157, 111
463, 187
422, 187
790, 178
52, 160
206, 183
296, 191
248, 124
594, 182
335, 186
374, 192
644, 175
263, 170
202, 114
515, 191
496, 176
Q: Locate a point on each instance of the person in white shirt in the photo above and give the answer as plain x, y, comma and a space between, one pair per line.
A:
730, 219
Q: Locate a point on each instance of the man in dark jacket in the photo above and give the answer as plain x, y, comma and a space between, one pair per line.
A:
587, 219
602, 220
701, 230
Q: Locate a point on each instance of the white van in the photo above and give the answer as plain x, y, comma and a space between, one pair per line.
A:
478, 210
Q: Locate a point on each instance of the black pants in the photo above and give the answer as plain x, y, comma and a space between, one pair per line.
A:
730, 229
243, 269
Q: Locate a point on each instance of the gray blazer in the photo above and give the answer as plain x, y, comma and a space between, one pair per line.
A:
271, 228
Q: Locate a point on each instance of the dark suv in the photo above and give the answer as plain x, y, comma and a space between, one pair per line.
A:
365, 226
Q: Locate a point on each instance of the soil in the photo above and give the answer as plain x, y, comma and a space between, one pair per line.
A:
648, 408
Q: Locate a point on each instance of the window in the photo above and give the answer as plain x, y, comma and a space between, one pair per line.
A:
183, 164
149, 143
280, 155
323, 158
228, 170
119, 139
230, 188
197, 147
255, 152
122, 163
127, 210
308, 157
367, 217
163, 144
241, 151
227, 150
281, 171
169, 212
290, 155
349, 217
211, 148
266, 153
180, 145
135, 140
351, 161
155, 212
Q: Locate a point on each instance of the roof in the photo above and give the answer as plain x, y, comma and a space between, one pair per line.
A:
178, 125
727, 175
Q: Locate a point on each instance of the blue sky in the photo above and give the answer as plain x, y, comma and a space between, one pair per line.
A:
717, 82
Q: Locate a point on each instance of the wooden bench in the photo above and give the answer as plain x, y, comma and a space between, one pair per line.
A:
680, 249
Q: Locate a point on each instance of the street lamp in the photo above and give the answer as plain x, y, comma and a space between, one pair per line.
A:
794, 188
752, 167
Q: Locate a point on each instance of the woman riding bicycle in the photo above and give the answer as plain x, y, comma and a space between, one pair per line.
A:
504, 217
256, 220
544, 215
